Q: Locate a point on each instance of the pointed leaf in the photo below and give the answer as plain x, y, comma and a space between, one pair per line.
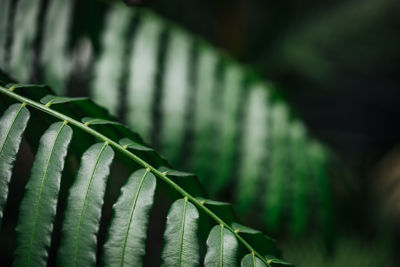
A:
32, 91
221, 247
38, 207
261, 243
96, 121
186, 180
171, 172
274, 262
52, 99
83, 212
128, 143
223, 209
181, 246
12, 126
128, 231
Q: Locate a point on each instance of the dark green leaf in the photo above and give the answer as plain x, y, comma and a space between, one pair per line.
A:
175, 173
223, 209
52, 99
128, 143
261, 243
12, 126
274, 262
94, 121
38, 207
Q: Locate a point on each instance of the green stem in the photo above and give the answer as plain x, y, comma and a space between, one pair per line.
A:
129, 154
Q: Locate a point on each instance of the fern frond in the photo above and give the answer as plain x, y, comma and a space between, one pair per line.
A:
184, 97
83, 213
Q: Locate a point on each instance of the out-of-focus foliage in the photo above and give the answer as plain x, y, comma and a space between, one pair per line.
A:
349, 251
201, 109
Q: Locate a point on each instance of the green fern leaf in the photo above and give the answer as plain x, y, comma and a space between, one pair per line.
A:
12, 126
127, 233
170, 86
221, 248
83, 212
181, 245
38, 207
